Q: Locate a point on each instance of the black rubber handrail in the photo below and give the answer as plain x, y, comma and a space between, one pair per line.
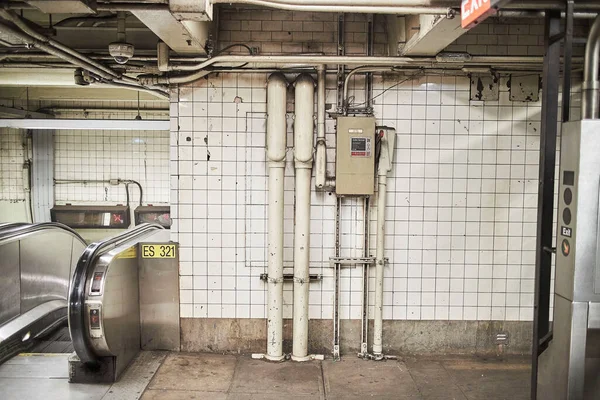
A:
77, 328
14, 230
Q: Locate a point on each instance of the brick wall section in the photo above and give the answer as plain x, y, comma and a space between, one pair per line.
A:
511, 37
287, 32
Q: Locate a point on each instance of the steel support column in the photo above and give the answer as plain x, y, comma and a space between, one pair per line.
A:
542, 333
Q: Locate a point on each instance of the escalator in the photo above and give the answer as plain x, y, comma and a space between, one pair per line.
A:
103, 303
36, 264
124, 297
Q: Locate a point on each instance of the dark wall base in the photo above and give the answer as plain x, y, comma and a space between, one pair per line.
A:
400, 337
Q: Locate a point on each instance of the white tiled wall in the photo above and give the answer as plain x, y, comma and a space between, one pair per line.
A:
11, 164
94, 155
103, 155
461, 203
462, 197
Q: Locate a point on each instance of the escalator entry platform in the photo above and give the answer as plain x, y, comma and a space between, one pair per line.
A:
124, 297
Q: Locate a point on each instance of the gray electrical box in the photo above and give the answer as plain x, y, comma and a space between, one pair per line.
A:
355, 157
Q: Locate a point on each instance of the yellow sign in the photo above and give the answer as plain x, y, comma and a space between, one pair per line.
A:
129, 253
158, 251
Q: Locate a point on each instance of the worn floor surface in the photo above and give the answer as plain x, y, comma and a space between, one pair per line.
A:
216, 377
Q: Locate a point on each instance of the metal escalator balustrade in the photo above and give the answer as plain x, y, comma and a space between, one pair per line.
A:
113, 285
36, 263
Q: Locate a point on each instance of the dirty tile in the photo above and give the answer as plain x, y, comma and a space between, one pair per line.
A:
491, 380
355, 378
433, 381
195, 372
182, 395
283, 379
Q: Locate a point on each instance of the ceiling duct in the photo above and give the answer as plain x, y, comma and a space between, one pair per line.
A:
64, 6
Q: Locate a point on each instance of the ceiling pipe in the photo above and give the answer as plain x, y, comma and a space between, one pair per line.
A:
304, 60
24, 26
590, 92
62, 110
342, 7
539, 14
54, 51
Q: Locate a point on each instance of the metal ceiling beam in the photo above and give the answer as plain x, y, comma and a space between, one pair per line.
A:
434, 34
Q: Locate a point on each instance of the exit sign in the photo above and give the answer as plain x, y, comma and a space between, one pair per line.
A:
472, 12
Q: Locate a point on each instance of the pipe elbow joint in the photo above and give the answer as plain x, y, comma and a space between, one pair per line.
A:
304, 79
277, 79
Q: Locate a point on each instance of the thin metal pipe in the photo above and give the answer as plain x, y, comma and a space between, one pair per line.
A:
268, 60
131, 7
276, 152
54, 51
590, 92
24, 26
538, 14
384, 167
380, 263
364, 9
60, 110
354, 72
321, 151
303, 157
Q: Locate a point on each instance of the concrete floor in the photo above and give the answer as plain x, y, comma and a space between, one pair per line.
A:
217, 377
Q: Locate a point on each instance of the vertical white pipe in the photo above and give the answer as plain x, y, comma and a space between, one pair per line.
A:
380, 263
321, 154
276, 149
303, 157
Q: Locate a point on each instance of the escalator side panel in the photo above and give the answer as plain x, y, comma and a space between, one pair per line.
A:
120, 308
45, 269
10, 288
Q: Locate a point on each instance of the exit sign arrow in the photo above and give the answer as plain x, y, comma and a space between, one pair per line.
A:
473, 12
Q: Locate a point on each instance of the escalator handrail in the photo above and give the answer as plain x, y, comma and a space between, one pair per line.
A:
14, 230
76, 301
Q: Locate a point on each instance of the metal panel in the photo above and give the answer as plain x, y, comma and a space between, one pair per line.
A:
159, 302
45, 269
545, 209
42, 187
119, 305
10, 289
355, 170
577, 275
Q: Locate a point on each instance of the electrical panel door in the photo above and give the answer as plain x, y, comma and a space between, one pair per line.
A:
355, 156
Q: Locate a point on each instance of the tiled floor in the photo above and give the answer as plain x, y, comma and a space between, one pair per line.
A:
216, 377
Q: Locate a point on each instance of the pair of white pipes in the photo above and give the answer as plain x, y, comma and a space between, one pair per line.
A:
303, 160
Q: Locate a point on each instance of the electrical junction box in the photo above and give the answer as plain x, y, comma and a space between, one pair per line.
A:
355, 156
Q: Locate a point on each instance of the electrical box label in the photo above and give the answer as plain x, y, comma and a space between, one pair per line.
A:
360, 147
158, 251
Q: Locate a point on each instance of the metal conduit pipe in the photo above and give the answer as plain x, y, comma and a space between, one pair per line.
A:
321, 151
266, 60
344, 9
590, 92
303, 158
21, 24
276, 151
354, 72
54, 51
384, 167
